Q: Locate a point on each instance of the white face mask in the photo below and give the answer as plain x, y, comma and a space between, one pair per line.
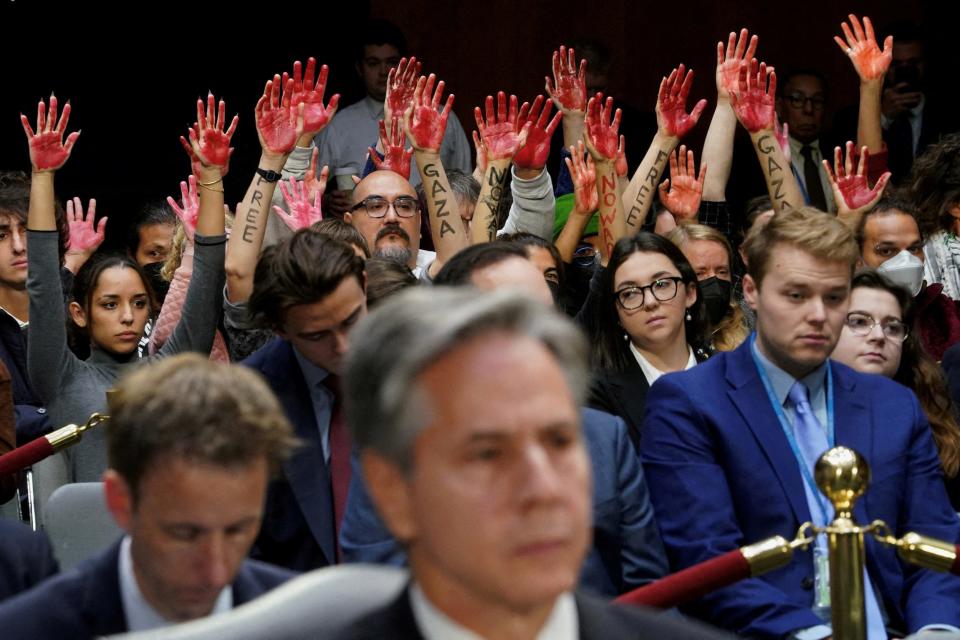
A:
904, 269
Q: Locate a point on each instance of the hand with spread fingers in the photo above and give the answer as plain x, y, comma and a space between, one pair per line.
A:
682, 191
48, 151
534, 153
423, 121
672, 116
396, 155
851, 191
304, 212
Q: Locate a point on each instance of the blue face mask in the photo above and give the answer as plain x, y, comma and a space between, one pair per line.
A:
904, 269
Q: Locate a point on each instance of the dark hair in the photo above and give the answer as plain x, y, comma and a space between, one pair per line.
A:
752, 210
610, 351
378, 32
934, 184
152, 213
784, 79
303, 269
458, 269
525, 239
919, 373
85, 284
892, 202
15, 202
191, 408
340, 230
386, 277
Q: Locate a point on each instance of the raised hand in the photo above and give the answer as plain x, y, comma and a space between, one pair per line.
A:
568, 90
500, 133
601, 131
396, 155
755, 97
279, 121
868, 60
189, 208
536, 150
401, 85
728, 62
783, 135
681, 192
621, 164
83, 237
315, 115
303, 211
481, 154
48, 152
850, 190
208, 140
672, 117
311, 179
584, 177
424, 123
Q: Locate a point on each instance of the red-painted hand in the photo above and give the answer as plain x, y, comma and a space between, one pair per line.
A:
303, 212
310, 95
396, 155
861, 45
728, 63
583, 174
314, 183
754, 99
209, 142
850, 190
83, 237
621, 164
782, 134
401, 85
279, 121
425, 124
534, 153
481, 152
672, 117
189, 208
568, 90
500, 133
680, 193
194, 161
601, 132
48, 152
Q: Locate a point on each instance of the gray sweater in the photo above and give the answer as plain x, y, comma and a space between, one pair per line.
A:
71, 388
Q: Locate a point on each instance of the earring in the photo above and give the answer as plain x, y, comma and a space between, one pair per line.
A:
626, 336
689, 317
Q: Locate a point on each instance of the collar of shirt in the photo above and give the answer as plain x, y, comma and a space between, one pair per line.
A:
375, 108
23, 325
563, 623
138, 612
312, 374
796, 146
650, 372
781, 381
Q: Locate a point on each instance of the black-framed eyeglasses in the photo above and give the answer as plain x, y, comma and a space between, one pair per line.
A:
376, 207
862, 324
662, 289
798, 101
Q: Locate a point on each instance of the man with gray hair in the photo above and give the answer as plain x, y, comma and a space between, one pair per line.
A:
470, 444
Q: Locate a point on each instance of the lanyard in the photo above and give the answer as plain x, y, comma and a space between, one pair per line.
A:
787, 427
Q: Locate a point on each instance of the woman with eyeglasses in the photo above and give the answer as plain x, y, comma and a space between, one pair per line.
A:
876, 339
650, 322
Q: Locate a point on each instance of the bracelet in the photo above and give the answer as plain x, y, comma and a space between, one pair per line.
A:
207, 187
207, 184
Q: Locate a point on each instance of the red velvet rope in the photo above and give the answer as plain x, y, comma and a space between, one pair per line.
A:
691, 583
24, 456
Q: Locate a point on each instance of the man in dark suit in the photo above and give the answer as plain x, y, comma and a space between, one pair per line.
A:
471, 447
26, 558
729, 448
310, 290
191, 445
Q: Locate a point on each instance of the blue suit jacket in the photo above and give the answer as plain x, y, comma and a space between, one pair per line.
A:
85, 602
26, 558
299, 528
722, 475
627, 551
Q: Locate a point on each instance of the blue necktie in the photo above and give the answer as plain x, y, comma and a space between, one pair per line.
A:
812, 439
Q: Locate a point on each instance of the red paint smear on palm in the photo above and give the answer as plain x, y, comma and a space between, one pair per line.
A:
83, 236
569, 86
728, 62
861, 46
277, 117
401, 86
212, 143
47, 149
854, 188
672, 103
303, 212
602, 135
315, 182
396, 157
754, 100
425, 124
499, 131
583, 174
310, 95
685, 187
536, 150
188, 211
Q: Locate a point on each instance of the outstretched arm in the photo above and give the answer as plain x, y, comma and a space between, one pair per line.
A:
585, 201
871, 65
568, 91
602, 141
680, 193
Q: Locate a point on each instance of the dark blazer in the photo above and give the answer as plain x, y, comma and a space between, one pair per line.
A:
722, 475
597, 620
299, 528
85, 601
26, 558
627, 551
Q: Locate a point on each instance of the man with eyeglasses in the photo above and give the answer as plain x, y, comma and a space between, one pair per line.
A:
729, 448
800, 105
890, 242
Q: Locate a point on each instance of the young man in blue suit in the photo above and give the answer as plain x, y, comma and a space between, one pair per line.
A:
729, 446
191, 445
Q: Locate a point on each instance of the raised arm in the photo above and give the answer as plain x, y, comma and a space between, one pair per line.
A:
718, 146
871, 65
673, 122
680, 194
279, 124
304, 209
852, 193
393, 144
602, 138
84, 238
425, 125
753, 102
568, 91
585, 201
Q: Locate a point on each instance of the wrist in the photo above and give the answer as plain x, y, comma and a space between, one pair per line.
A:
306, 138
271, 161
872, 87
210, 175
723, 98
527, 173
42, 174
426, 154
663, 139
